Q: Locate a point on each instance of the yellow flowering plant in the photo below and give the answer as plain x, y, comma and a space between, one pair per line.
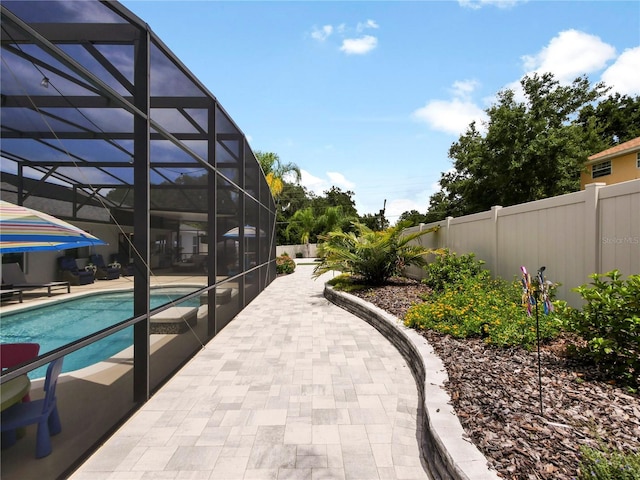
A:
481, 307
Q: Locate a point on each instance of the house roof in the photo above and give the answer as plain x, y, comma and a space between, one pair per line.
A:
622, 149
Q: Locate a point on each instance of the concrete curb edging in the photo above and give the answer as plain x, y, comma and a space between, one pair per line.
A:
447, 451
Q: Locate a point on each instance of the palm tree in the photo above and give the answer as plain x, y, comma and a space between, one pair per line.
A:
334, 218
275, 171
373, 256
303, 223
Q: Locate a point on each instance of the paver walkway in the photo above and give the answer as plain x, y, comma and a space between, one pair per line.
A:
293, 388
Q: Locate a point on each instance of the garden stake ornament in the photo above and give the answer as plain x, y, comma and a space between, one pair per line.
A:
532, 295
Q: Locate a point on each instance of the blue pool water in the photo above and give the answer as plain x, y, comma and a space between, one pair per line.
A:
55, 325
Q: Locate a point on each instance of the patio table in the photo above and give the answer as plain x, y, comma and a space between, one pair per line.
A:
13, 391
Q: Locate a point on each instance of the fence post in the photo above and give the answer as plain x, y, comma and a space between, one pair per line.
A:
495, 267
592, 260
447, 240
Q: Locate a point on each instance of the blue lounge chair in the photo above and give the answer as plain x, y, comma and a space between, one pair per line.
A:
104, 272
70, 272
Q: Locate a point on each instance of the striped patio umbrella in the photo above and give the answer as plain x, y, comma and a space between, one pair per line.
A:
249, 232
23, 230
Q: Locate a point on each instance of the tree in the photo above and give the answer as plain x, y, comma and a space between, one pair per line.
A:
335, 197
186, 192
442, 206
303, 224
334, 218
412, 218
374, 256
275, 171
614, 120
374, 221
294, 197
531, 150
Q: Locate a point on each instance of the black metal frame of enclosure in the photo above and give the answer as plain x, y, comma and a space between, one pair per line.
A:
94, 102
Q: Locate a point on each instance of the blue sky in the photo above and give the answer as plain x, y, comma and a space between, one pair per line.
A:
369, 96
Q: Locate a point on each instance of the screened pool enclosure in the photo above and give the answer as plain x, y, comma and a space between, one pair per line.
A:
104, 127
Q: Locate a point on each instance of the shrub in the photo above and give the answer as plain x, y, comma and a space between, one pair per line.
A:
285, 264
449, 268
373, 256
345, 283
481, 307
609, 323
608, 465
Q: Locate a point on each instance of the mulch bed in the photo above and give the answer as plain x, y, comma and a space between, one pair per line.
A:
495, 393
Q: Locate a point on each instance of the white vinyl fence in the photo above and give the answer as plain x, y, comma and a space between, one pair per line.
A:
298, 251
592, 231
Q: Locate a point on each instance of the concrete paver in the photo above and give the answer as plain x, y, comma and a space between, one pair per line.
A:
293, 388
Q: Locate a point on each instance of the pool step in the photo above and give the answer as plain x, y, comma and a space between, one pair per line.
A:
223, 295
174, 320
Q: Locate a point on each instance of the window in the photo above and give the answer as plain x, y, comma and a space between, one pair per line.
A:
601, 169
638, 160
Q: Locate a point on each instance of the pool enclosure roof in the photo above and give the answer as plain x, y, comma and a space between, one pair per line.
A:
85, 86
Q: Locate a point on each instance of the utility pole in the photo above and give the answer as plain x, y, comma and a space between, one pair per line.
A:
384, 207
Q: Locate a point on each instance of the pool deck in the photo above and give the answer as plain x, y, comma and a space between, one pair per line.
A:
294, 387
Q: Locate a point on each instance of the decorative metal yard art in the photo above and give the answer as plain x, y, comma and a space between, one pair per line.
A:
533, 294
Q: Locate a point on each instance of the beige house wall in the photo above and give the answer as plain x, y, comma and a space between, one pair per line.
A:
623, 168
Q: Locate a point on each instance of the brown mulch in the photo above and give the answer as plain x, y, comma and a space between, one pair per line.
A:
495, 393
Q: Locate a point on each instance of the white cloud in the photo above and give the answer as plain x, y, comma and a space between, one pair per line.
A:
570, 54
477, 4
623, 74
321, 34
319, 185
353, 42
397, 207
340, 181
368, 24
359, 46
289, 177
313, 184
464, 88
453, 116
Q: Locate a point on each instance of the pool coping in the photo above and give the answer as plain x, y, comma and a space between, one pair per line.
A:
444, 444
47, 301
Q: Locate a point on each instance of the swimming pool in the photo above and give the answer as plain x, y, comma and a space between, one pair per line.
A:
58, 324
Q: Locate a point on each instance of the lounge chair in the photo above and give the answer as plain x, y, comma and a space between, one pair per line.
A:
104, 272
6, 293
70, 272
126, 268
13, 275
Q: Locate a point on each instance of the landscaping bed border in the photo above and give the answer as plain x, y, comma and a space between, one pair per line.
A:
449, 454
